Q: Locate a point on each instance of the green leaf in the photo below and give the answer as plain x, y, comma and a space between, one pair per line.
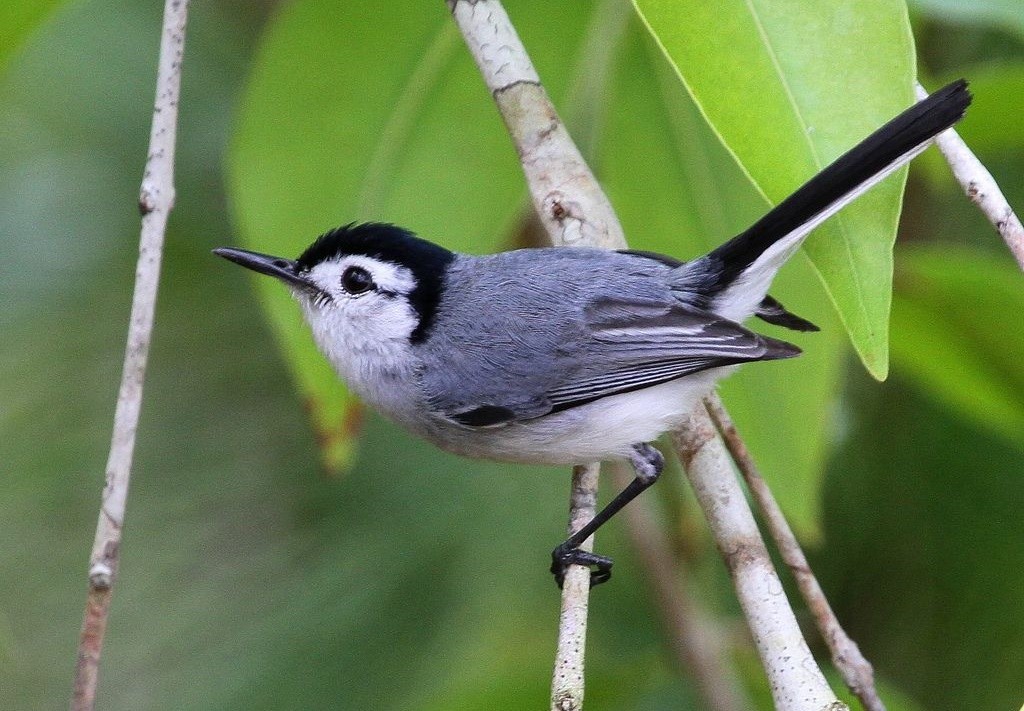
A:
677, 191
958, 335
788, 87
18, 19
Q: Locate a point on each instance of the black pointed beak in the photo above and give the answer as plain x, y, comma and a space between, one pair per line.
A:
278, 267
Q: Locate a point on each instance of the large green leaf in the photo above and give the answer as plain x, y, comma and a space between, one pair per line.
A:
394, 124
788, 86
677, 191
957, 332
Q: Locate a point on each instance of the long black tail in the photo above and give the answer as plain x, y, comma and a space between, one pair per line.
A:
757, 253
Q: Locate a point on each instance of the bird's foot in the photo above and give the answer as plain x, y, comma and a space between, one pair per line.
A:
564, 555
648, 463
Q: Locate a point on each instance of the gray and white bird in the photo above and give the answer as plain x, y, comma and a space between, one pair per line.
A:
567, 355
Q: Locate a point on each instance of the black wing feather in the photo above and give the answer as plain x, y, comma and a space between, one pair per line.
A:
772, 311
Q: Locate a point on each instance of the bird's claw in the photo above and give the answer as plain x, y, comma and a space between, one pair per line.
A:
563, 556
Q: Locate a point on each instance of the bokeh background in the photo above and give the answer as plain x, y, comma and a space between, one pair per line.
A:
262, 571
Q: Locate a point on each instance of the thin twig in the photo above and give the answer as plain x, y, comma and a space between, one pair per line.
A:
856, 671
567, 679
156, 200
574, 210
981, 188
795, 680
697, 644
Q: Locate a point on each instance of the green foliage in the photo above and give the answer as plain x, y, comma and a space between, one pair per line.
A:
790, 64
958, 334
1006, 14
993, 123
925, 509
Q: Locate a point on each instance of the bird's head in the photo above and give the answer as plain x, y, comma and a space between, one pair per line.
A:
363, 288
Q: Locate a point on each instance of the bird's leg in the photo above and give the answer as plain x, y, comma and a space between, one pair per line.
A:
647, 463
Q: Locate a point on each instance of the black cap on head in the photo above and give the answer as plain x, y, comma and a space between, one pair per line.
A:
386, 242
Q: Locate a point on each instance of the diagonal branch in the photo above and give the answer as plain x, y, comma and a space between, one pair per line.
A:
574, 210
156, 200
856, 671
795, 679
696, 642
981, 188
567, 197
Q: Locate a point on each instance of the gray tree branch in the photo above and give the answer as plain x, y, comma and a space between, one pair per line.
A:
156, 200
796, 681
856, 670
981, 188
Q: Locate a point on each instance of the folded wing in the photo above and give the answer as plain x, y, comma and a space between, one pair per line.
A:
626, 345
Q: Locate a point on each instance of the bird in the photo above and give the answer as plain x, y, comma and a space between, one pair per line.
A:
568, 355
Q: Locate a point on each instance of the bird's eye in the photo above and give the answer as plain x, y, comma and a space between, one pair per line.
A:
356, 280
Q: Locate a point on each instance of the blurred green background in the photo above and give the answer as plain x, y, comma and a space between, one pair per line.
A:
255, 577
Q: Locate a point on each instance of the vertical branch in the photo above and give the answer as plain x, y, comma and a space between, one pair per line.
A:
856, 671
567, 680
574, 211
981, 188
156, 199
